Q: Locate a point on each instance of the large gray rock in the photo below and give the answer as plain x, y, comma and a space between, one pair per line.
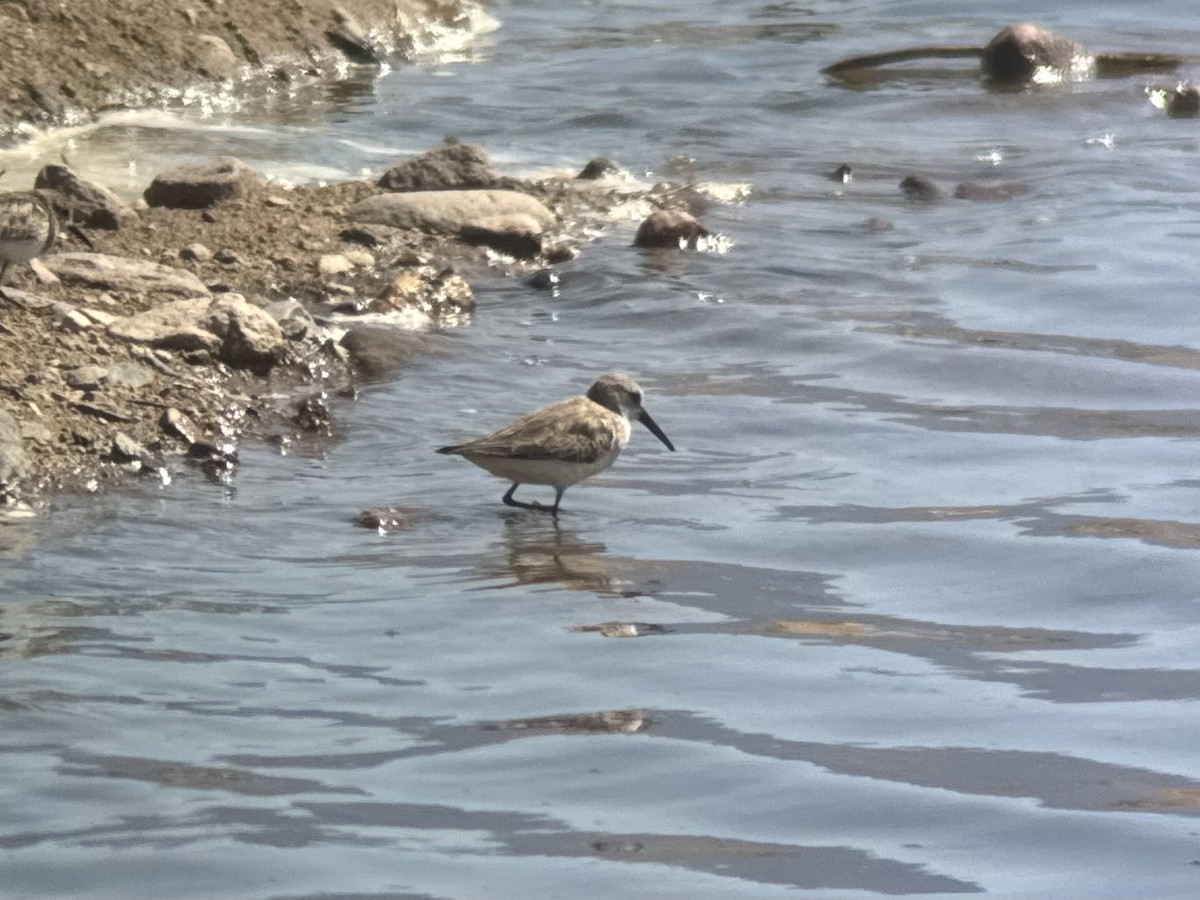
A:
250, 336
228, 327
447, 211
448, 167
82, 202
13, 463
202, 185
117, 273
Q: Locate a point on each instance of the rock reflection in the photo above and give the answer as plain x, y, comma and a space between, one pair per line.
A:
608, 722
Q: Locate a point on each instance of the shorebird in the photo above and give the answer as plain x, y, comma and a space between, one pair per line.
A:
565, 442
28, 228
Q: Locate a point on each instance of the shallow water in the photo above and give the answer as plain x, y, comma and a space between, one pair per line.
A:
911, 611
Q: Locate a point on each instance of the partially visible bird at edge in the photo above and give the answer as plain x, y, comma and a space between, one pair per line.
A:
28, 228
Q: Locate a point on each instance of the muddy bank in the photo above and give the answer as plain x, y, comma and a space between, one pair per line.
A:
224, 306
64, 62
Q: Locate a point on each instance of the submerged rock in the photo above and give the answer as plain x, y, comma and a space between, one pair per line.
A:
1018, 53
918, 187
670, 228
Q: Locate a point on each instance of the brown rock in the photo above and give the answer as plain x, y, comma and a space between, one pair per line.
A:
517, 234
669, 228
202, 185
1019, 51
448, 167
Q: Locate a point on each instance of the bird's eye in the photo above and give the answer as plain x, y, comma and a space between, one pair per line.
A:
637, 397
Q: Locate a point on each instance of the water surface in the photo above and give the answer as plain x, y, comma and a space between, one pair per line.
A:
911, 611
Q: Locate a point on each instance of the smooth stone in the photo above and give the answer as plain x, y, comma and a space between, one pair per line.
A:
446, 211
86, 377
517, 235
119, 273
196, 253
334, 264
448, 167
202, 185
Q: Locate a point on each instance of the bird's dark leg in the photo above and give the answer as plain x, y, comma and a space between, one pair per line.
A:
3, 272
558, 492
509, 500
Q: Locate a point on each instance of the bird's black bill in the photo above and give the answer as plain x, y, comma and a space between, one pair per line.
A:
644, 418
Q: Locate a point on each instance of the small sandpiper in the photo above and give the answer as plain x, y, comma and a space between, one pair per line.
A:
28, 228
565, 442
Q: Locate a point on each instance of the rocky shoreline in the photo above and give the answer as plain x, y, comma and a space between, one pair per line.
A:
225, 307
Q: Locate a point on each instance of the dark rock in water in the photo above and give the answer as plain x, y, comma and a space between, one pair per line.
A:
375, 352
517, 235
203, 185
384, 518
351, 39
1180, 102
672, 228
448, 167
13, 462
990, 191
543, 280
842, 173
314, 415
1015, 54
877, 224
82, 202
597, 168
918, 187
